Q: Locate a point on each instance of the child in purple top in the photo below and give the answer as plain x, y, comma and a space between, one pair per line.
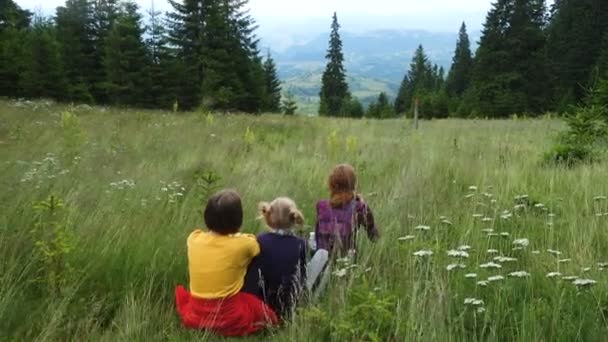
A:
339, 218
278, 274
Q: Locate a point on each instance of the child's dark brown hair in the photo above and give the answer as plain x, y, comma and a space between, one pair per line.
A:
342, 184
224, 212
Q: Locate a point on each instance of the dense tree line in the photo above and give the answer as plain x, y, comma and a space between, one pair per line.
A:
202, 53
530, 60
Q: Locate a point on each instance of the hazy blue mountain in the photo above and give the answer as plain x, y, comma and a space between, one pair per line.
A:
375, 61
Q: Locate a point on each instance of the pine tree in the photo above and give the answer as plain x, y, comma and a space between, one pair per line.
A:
574, 33
73, 23
42, 67
334, 89
272, 86
126, 60
462, 65
14, 21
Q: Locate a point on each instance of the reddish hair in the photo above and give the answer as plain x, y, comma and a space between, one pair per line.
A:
342, 183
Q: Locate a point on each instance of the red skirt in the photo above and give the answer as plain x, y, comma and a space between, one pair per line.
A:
240, 315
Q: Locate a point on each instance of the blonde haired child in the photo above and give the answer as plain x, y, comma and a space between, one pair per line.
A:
278, 274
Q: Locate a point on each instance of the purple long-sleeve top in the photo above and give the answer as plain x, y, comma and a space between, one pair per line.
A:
336, 228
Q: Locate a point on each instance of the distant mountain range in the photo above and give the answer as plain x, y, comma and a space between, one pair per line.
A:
375, 61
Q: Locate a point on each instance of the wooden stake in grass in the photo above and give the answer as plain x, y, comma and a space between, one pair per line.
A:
416, 105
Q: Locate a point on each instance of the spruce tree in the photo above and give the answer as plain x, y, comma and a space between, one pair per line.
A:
12, 16
186, 34
103, 16
42, 67
126, 60
215, 43
462, 65
74, 24
163, 87
14, 22
403, 96
509, 75
272, 86
574, 33
289, 104
419, 80
334, 89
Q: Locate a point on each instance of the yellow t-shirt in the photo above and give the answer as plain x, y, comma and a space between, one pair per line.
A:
217, 263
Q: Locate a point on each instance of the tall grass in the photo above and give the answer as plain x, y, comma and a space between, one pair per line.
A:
131, 186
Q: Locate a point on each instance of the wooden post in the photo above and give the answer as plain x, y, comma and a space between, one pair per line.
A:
416, 105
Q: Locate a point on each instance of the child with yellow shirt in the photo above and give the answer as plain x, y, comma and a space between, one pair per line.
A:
217, 263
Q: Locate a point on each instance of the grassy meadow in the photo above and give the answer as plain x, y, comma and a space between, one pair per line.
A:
99, 260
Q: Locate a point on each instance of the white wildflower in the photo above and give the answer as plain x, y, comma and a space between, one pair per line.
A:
406, 238
569, 278
563, 261
495, 278
535, 252
464, 248
490, 265
473, 301
519, 207
422, 227
481, 310
486, 219
600, 198
553, 274
522, 242
447, 222
539, 205
477, 215
492, 251
506, 215
602, 264
584, 282
452, 267
503, 259
519, 274
458, 254
470, 275
586, 269
487, 230
473, 188
505, 234
554, 252
340, 273
423, 253
483, 283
